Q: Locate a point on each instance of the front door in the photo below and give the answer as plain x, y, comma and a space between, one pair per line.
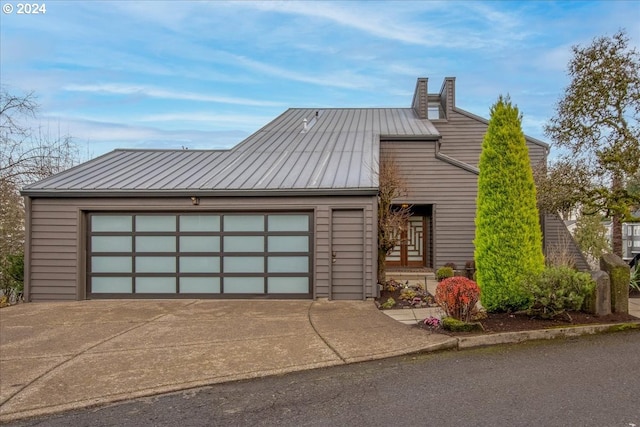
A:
412, 251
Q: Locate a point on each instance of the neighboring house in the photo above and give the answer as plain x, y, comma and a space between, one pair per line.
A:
288, 212
630, 235
630, 240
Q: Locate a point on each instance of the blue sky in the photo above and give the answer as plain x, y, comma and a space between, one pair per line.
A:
198, 74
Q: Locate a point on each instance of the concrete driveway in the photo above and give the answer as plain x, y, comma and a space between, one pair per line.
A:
60, 356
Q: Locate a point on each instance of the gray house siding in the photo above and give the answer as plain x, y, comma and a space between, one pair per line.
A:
57, 236
462, 139
451, 190
444, 174
462, 132
53, 251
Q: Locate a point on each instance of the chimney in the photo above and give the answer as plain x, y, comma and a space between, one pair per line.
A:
420, 103
448, 94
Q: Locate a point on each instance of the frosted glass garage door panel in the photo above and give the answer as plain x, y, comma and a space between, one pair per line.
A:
106, 223
155, 223
288, 285
155, 244
289, 264
202, 223
155, 264
243, 223
155, 285
111, 264
200, 285
288, 222
111, 285
244, 244
288, 244
243, 285
199, 244
111, 244
199, 264
243, 264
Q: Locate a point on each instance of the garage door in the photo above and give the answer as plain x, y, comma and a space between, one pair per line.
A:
199, 255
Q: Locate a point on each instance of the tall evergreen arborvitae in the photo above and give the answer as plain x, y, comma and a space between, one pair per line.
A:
508, 242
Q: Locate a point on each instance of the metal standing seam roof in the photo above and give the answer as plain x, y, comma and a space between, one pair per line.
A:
338, 150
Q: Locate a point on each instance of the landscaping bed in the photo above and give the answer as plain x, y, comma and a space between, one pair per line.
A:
515, 322
503, 322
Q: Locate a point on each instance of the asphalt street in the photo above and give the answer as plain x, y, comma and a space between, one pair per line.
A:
587, 381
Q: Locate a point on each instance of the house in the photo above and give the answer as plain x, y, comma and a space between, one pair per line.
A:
630, 235
630, 240
290, 212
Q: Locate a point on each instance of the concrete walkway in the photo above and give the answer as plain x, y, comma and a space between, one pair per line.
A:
60, 356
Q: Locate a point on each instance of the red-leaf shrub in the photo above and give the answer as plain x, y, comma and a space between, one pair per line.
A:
458, 296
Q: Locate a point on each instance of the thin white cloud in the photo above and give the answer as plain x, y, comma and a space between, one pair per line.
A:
238, 120
339, 79
362, 19
482, 25
152, 92
97, 137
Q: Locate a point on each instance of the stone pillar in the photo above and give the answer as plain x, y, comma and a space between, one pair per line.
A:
619, 275
599, 302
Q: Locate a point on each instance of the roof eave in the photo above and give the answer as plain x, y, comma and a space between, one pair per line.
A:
410, 137
293, 192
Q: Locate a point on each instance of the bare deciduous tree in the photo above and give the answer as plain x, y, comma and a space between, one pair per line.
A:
27, 154
392, 219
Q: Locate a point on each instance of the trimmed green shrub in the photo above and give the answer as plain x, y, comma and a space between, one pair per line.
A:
556, 290
408, 294
444, 273
457, 296
388, 303
508, 240
455, 325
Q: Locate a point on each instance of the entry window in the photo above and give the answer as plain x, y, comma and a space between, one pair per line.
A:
200, 254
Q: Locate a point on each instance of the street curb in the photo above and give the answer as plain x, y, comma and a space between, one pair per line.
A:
448, 344
542, 334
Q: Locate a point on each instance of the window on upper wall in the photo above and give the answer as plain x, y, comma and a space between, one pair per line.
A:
434, 112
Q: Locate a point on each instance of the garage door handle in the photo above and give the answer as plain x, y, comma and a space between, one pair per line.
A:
333, 256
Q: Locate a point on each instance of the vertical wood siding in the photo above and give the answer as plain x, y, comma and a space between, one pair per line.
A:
56, 261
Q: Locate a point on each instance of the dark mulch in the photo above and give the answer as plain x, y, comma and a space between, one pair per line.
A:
514, 322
